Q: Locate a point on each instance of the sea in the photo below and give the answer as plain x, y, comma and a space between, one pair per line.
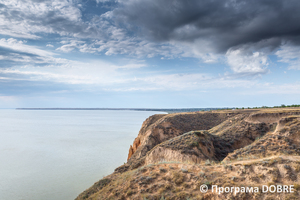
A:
57, 154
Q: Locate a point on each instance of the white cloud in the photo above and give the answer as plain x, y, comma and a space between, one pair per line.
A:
19, 51
73, 72
243, 61
111, 77
114, 77
27, 18
289, 54
21, 46
103, 1
201, 49
21, 58
126, 45
69, 46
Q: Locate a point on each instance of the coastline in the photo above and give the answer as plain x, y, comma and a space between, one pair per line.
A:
174, 154
167, 110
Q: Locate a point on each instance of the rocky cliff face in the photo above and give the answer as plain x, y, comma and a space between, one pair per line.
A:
174, 154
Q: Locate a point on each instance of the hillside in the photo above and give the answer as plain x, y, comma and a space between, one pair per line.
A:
174, 154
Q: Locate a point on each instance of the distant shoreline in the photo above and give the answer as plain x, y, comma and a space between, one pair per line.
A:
170, 110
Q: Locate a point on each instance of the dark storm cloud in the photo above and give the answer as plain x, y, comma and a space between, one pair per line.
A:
225, 23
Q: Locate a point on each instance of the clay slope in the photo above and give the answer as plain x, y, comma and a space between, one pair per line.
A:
214, 144
193, 147
159, 128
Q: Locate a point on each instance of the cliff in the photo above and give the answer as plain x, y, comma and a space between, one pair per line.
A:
159, 128
174, 154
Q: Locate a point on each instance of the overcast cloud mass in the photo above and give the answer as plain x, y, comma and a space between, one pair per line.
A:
149, 53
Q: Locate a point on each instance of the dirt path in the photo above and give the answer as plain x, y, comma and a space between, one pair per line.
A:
292, 158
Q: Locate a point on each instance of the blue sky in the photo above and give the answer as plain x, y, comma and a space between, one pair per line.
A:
149, 54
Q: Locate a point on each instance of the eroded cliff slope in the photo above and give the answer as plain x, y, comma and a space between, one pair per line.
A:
159, 128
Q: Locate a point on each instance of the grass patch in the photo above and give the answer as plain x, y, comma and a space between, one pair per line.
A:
177, 178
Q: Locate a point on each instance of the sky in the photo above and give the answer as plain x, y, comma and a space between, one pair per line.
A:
149, 53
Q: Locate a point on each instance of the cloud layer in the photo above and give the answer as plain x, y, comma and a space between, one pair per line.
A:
149, 45
225, 24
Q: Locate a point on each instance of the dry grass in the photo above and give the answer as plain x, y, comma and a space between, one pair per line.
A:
177, 178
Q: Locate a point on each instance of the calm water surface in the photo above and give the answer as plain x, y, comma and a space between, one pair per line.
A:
56, 154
